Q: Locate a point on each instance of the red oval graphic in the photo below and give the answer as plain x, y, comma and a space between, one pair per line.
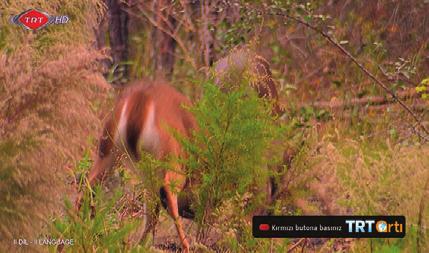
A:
264, 227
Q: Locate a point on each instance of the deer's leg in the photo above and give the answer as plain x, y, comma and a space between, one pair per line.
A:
173, 179
173, 210
174, 182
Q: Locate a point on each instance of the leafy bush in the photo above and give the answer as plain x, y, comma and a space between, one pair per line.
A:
228, 158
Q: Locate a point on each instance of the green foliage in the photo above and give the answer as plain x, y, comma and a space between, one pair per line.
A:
83, 165
149, 175
238, 32
306, 114
230, 154
95, 227
422, 88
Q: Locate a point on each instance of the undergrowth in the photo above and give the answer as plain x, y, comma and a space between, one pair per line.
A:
95, 228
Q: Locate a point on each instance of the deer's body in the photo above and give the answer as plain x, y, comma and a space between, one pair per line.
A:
143, 119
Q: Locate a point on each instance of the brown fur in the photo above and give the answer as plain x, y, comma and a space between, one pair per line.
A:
169, 114
242, 60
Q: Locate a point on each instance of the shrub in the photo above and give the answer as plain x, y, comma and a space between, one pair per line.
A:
228, 158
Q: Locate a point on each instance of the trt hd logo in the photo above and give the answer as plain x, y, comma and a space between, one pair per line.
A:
34, 19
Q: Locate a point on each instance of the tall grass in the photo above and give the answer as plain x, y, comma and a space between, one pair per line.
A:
368, 174
50, 91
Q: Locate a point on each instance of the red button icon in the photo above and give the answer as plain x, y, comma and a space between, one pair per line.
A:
264, 227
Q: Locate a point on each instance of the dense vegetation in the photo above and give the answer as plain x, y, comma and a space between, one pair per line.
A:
350, 148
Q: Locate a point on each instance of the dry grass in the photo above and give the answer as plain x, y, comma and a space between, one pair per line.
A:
361, 175
55, 105
51, 90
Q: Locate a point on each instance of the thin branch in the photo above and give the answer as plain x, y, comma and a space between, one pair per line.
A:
363, 101
294, 246
182, 46
360, 66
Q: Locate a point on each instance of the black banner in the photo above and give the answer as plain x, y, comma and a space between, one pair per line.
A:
329, 226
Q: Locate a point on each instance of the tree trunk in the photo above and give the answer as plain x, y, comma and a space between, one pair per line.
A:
118, 35
207, 17
163, 44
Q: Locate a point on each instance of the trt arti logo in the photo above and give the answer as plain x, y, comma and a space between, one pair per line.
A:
33, 19
366, 226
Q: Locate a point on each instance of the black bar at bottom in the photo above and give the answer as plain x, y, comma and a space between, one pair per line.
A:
329, 226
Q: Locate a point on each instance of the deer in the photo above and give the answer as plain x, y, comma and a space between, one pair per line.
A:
245, 61
142, 119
